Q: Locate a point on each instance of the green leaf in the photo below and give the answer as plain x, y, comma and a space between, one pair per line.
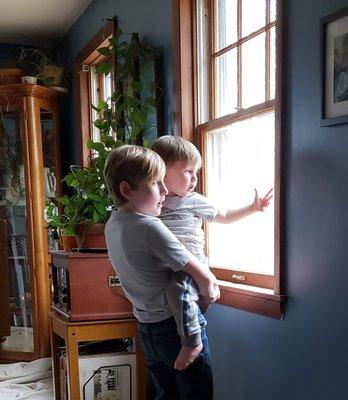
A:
146, 142
95, 197
101, 209
104, 68
96, 217
133, 101
113, 42
151, 101
63, 200
98, 123
95, 108
140, 117
103, 105
105, 51
136, 85
90, 144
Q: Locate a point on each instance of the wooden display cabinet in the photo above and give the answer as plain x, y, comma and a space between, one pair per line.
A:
29, 173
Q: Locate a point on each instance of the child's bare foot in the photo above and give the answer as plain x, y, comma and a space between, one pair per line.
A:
187, 356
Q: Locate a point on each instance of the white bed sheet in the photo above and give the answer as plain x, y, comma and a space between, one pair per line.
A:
27, 380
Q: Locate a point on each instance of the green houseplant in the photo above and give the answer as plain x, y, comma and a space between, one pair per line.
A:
88, 202
43, 64
122, 119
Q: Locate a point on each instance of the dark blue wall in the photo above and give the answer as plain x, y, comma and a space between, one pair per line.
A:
151, 18
305, 356
7, 49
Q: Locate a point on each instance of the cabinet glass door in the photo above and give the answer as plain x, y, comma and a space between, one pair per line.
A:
49, 152
14, 211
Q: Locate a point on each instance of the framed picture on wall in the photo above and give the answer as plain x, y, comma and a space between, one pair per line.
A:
334, 68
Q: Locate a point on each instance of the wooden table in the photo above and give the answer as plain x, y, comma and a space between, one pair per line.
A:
75, 332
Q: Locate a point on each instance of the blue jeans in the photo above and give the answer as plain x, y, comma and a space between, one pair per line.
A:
161, 345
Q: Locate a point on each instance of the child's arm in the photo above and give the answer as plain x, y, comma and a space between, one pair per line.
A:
259, 204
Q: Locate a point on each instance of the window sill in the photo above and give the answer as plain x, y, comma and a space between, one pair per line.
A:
253, 299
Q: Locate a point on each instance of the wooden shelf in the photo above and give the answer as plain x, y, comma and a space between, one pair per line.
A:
75, 332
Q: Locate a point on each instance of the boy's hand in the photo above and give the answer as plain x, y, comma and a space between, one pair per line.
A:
260, 203
213, 293
187, 356
203, 304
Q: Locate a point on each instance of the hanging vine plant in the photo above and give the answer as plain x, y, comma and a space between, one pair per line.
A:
122, 119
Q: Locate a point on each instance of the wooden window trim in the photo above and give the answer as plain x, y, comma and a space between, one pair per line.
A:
252, 299
259, 300
88, 56
183, 82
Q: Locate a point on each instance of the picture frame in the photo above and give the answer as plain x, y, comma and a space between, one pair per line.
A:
334, 69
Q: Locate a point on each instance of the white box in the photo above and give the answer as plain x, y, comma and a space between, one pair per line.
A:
109, 376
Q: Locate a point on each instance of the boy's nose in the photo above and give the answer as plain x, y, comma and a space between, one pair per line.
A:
164, 190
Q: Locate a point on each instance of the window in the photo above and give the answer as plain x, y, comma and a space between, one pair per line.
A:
92, 87
236, 95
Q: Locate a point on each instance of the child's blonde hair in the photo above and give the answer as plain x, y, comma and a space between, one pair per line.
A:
133, 164
176, 148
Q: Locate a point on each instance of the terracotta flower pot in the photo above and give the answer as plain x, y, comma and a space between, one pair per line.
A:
68, 242
90, 235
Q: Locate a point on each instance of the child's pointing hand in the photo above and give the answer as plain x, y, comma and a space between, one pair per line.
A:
260, 203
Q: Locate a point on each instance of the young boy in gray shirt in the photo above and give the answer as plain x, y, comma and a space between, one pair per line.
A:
183, 212
145, 255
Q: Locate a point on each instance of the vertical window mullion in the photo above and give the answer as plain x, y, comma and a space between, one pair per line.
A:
212, 38
101, 82
239, 55
267, 52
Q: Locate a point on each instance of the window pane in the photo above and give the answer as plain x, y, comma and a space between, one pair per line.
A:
273, 10
239, 158
226, 81
253, 71
272, 64
253, 16
203, 61
108, 84
226, 23
94, 85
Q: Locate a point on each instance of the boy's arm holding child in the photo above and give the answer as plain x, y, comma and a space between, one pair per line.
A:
259, 204
205, 280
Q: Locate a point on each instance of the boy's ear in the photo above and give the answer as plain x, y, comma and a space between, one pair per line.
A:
125, 190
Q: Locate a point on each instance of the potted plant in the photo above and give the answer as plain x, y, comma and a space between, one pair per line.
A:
121, 120
43, 64
84, 210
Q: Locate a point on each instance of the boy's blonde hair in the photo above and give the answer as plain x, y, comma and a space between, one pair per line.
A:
176, 148
133, 164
